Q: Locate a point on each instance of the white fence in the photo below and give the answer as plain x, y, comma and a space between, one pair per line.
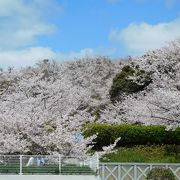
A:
132, 171
47, 164
85, 166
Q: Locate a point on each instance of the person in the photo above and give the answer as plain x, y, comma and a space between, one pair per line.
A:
30, 162
40, 161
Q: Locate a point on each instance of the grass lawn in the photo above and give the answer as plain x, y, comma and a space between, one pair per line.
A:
48, 169
146, 154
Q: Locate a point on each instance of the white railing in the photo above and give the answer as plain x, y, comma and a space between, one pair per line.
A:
133, 171
82, 165
48, 164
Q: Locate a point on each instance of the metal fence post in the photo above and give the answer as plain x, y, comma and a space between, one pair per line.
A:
119, 171
59, 164
103, 171
20, 165
97, 160
97, 163
135, 171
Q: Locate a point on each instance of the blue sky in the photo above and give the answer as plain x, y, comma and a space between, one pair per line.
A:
32, 30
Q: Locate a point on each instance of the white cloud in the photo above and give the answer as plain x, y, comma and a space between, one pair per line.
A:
21, 21
87, 52
26, 57
30, 56
138, 38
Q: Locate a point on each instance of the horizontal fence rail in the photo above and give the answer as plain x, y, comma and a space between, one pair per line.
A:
82, 165
48, 164
132, 171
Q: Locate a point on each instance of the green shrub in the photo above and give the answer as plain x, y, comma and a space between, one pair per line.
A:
173, 136
160, 174
172, 150
131, 134
143, 154
121, 83
105, 136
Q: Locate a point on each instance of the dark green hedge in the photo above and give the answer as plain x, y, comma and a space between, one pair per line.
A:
131, 134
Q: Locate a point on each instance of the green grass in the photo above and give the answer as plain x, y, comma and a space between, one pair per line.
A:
12, 169
145, 154
50, 169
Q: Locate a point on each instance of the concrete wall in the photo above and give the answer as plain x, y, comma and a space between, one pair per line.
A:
47, 177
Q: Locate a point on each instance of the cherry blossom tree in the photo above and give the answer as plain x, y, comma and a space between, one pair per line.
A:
44, 107
159, 103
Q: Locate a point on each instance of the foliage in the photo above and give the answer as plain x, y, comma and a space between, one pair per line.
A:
123, 82
173, 150
131, 134
144, 154
160, 174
